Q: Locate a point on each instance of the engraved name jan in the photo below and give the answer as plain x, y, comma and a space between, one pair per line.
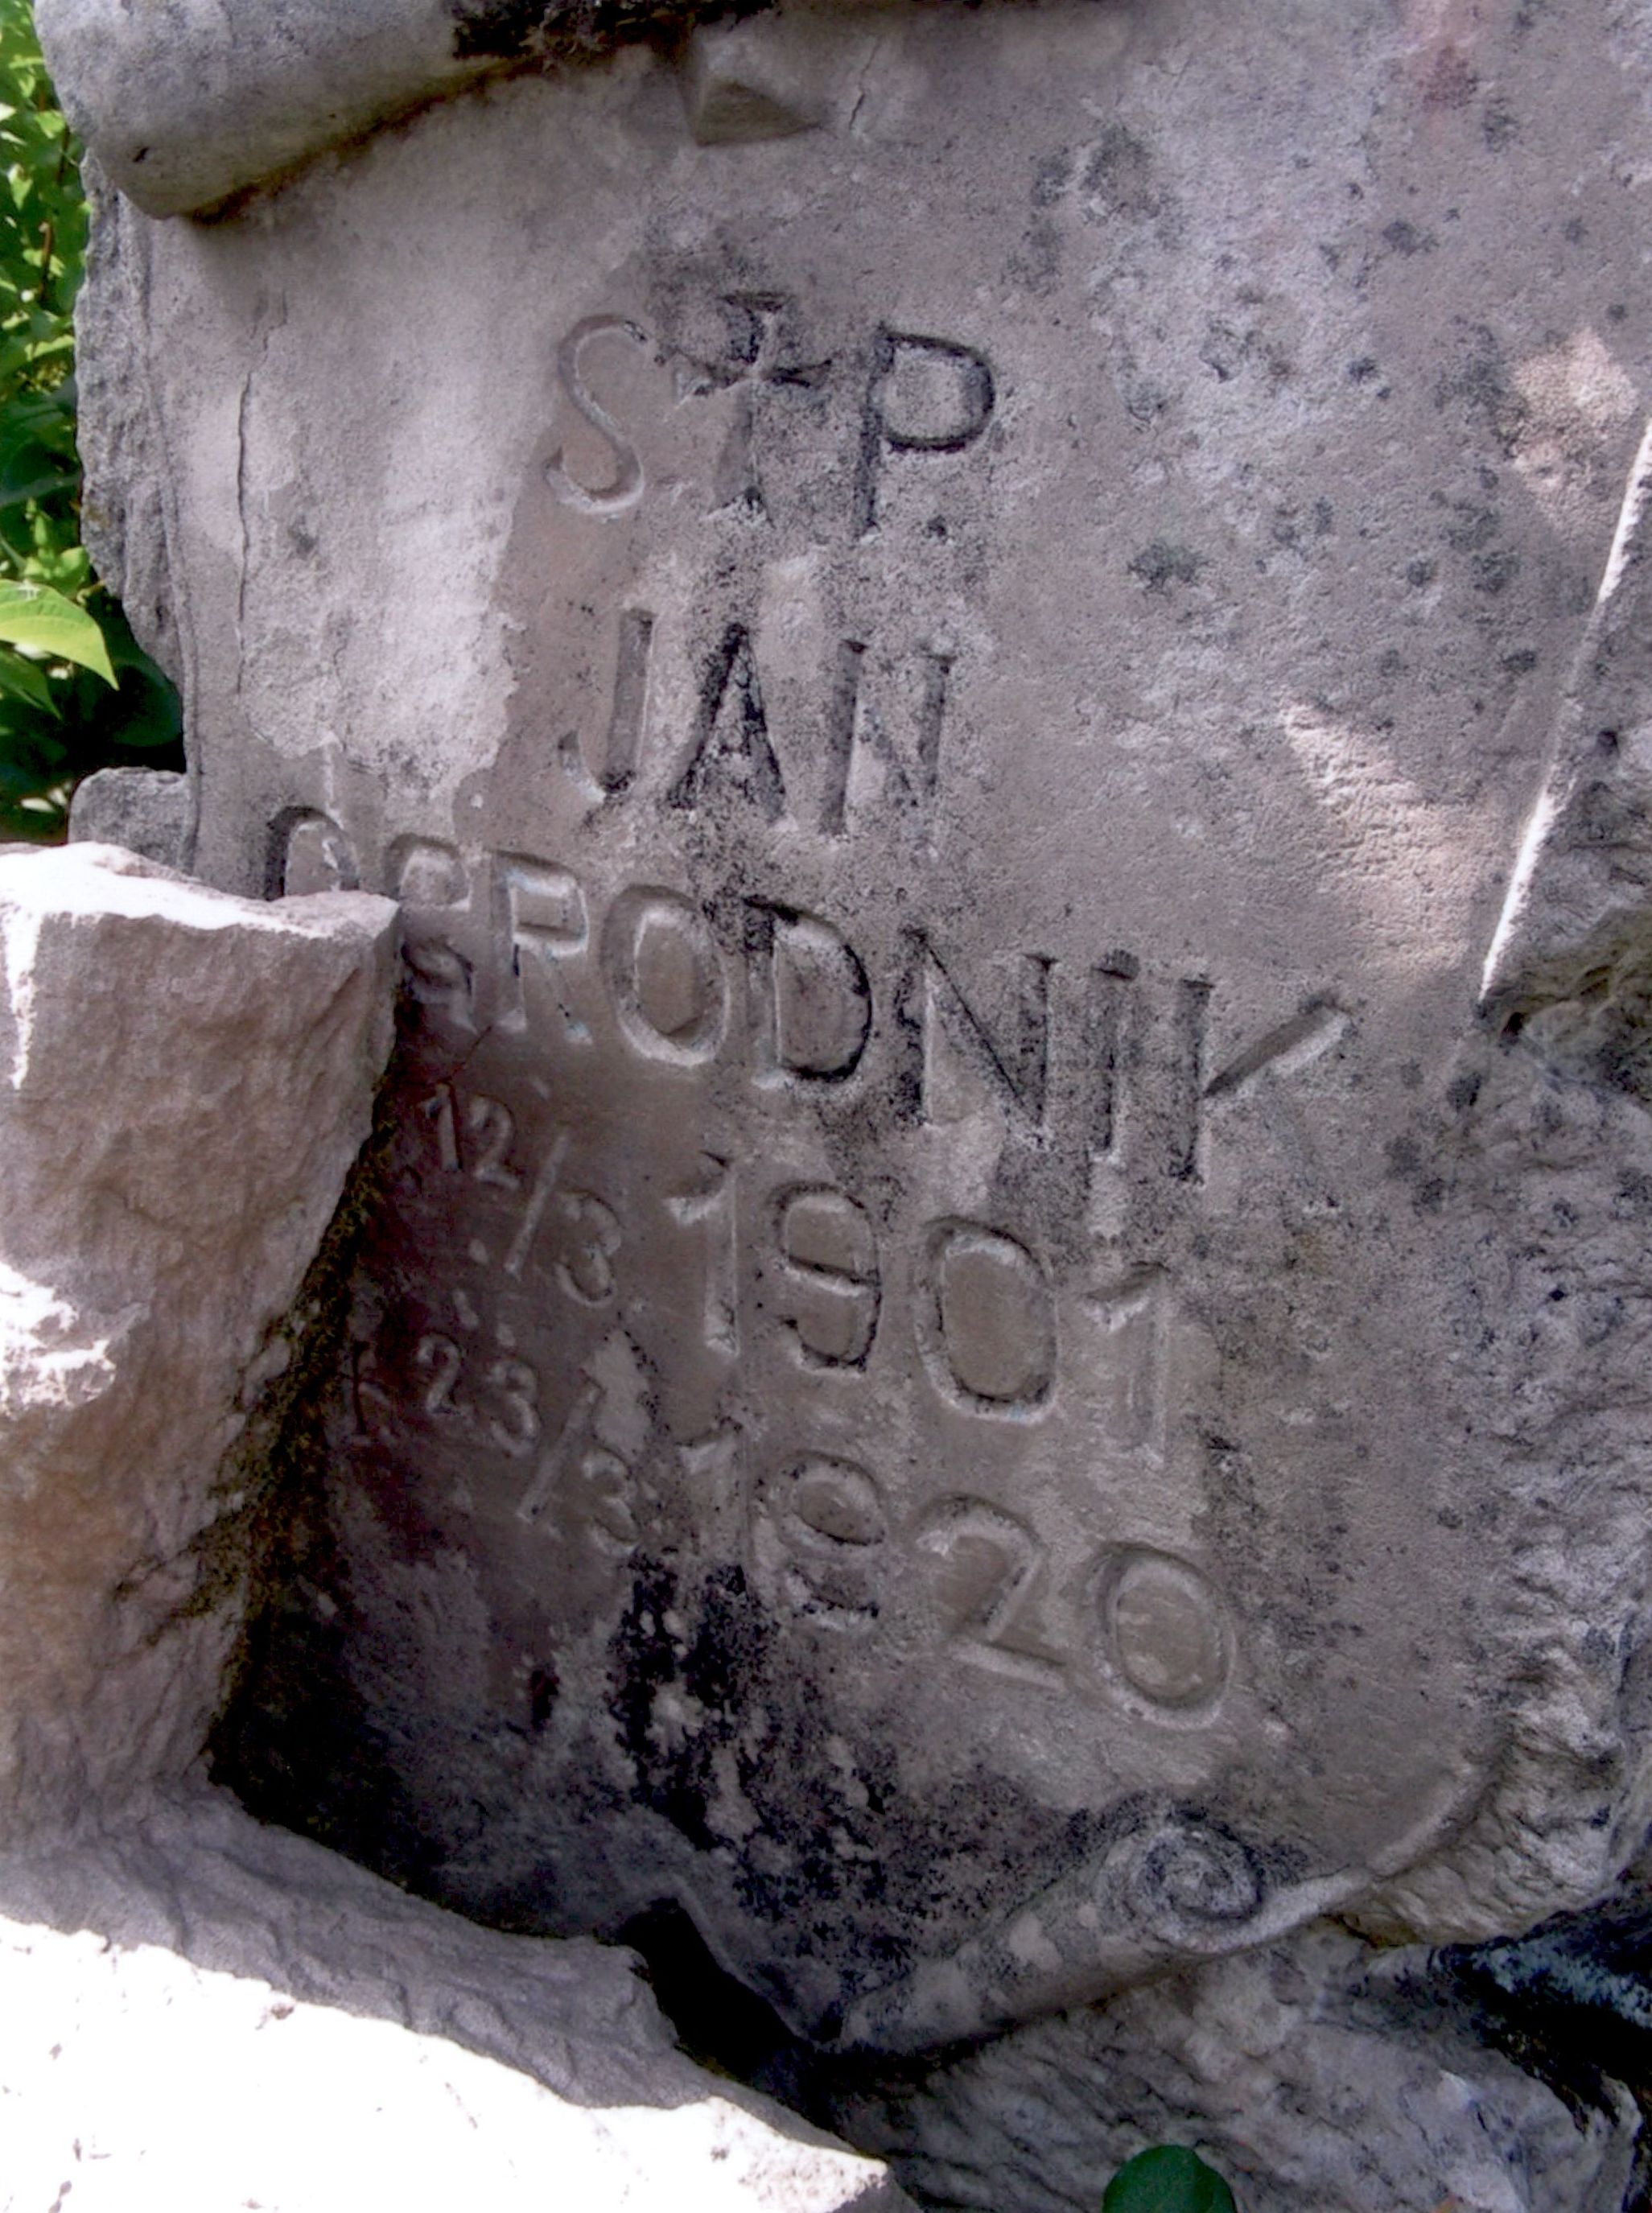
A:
912, 395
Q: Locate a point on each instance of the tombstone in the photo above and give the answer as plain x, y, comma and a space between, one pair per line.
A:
1002, 1338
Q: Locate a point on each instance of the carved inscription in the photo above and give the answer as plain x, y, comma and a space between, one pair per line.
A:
920, 394
710, 1210
731, 734
497, 1397
624, 487
986, 1322
924, 395
912, 781
812, 996
490, 1129
752, 1006
666, 979
1133, 1625
309, 852
760, 360
992, 1573
832, 1292
824, 1520
1162, 1629
1046, 1045
872, 747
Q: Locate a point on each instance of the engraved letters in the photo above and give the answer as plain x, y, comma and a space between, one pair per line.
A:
850, 1327
925, 395
833, 1290
913, 783
920, 394
731, 734
825, 1518
665, 977
625, 488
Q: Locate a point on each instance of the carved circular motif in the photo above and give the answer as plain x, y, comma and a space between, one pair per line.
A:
1191, 1879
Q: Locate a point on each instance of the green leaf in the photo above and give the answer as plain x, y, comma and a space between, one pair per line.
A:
22, 679
36, 616
1167, 2179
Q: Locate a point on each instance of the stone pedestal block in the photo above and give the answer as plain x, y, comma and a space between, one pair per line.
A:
998, 657
185, 1079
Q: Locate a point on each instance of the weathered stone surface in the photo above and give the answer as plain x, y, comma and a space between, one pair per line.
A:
148, 811
1315, 2076
185, 1079
187, 103
195, 2011
979, 1359
247, 2020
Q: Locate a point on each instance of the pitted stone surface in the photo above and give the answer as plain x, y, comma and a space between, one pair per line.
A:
977, 1361
185, 1079
148, 811
1314, 2075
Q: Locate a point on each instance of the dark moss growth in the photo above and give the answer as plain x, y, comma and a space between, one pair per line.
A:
278, 1472
530, 30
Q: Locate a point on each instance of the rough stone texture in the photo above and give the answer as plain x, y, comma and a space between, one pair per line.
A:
185, 1079
195, 2011
979, 1360
188, 102
1317, 2076
185, 104
245, 2019
148, 811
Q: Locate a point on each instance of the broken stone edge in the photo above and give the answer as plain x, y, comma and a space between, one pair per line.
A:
188, 105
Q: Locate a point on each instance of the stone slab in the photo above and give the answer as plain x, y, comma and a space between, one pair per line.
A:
148, 811
1315, 2075
979, 1358
187, 104
200, 2013
186, 1078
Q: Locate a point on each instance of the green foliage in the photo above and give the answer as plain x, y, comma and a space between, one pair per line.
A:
80, 693
42, 621
1167, 2179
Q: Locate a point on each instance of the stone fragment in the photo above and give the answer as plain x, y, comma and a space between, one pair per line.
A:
981, 1358
185, 105
185, 1079
146, 811
1315, 2075
245, 2019
746, 80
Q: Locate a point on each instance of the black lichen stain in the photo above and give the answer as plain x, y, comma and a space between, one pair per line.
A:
528, 30
294, 1741
718, 1671
864, 1884
1162, 564
299, 1749
500, 30
1571, 2002
1120, 176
